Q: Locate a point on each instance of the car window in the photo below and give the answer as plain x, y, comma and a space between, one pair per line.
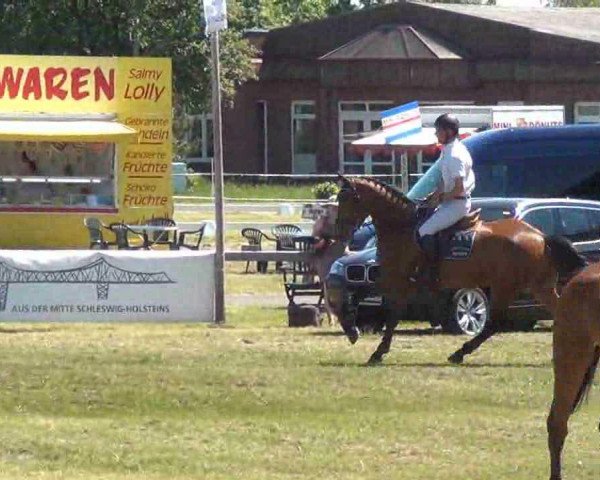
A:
575, 224
594, 219
489, 214
542, 219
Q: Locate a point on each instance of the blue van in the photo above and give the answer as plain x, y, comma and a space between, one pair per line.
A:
530, 162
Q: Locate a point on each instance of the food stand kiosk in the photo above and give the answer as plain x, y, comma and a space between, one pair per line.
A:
81, 137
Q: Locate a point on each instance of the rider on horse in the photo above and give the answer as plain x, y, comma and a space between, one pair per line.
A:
453, 194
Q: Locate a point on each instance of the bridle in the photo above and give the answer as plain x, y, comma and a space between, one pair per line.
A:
339, 223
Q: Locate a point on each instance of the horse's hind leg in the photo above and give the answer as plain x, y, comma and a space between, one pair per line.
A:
470, 346
573, 355
331, 318
557, 432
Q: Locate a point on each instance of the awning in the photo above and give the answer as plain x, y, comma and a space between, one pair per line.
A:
423, 139
66, 131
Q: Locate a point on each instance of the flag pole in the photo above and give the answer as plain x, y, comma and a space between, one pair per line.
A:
218, 180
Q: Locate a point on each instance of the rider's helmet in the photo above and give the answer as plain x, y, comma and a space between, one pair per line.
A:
447, 121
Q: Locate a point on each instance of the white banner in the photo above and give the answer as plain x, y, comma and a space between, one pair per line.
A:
93, 285
215, 14
529, 116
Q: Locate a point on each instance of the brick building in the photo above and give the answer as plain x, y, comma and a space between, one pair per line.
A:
321, 83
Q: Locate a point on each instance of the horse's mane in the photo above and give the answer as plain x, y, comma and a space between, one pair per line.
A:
385, 190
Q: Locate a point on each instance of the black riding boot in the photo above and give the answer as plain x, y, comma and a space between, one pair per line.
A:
427, 273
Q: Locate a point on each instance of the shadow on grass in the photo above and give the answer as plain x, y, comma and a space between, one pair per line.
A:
433, 365
327, 334
420, 332
26, 330
403, 332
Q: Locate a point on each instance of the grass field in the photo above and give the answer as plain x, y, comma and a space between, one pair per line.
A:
237, 281
239, 190
257, 400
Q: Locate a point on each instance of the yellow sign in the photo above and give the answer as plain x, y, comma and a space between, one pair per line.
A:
135, 92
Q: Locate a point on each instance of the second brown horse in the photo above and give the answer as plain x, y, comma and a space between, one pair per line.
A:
576, 354
508, 257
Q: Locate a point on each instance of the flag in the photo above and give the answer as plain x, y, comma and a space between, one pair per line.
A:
401, 121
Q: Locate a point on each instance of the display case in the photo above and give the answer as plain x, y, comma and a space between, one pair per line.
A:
44, 175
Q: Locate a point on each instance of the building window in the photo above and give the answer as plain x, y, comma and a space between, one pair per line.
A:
199, 139
356, 118
304, 137
587, 112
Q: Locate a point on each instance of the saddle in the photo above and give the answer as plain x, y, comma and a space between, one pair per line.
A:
469, 221
456, 241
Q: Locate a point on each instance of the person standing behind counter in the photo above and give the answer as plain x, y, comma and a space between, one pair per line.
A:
32, 192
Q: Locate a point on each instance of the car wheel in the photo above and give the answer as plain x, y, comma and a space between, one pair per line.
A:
467, 311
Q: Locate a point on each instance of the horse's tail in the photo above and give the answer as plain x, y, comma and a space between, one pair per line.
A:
588, 378
565, 258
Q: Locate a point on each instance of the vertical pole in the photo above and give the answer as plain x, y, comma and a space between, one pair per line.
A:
393, 167
266, 135
218, 180
404, 172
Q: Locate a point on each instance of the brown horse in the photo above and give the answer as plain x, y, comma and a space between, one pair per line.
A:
576, 352
508, 256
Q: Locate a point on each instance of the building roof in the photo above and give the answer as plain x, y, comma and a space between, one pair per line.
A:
578, 23
393, 42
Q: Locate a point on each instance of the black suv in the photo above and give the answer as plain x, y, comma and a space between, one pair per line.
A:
351, 283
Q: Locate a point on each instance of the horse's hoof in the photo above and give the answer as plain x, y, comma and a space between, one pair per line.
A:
353, 334
456, 358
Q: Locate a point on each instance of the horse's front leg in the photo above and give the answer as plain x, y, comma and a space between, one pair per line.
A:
391, 322
501, 299
471, 345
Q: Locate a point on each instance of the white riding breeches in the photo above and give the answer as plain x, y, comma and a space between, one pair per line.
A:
447, 214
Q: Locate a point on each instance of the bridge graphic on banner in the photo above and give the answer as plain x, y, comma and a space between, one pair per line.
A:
98, 272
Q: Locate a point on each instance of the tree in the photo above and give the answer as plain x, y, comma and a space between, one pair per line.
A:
463, 2
279, 13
